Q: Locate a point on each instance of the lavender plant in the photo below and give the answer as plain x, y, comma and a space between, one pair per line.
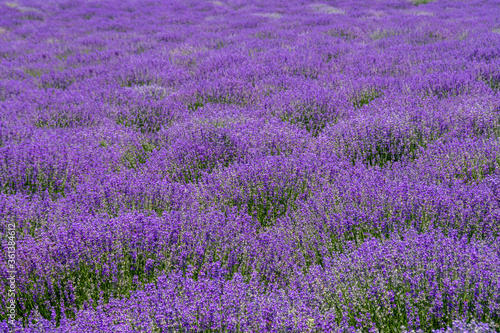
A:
249, 166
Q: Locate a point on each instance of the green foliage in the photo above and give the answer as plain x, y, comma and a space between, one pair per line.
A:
63, 119
191, 171
33, 72
89, 282
364, 97
195, 105
40, 179
307, 118
137, 155
383, 154
146, 119
381, 34
201, 99
341, 33
270, 203
493, 81
421, 2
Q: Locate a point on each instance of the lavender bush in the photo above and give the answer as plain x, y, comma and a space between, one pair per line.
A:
250, 166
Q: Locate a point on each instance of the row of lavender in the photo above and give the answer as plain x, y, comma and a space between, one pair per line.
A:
249, 166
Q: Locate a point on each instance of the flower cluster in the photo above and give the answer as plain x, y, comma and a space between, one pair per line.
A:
250, 166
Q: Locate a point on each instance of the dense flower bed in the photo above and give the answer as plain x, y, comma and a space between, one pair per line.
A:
250, 166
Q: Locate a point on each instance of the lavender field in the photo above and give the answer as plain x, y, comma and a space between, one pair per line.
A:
250, 166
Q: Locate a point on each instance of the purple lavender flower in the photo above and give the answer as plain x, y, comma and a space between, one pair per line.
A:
249, 166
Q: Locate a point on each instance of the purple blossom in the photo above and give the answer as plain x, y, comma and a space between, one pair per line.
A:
249, 166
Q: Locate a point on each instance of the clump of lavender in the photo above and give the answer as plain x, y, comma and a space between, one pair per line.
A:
250, 166
462, 326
